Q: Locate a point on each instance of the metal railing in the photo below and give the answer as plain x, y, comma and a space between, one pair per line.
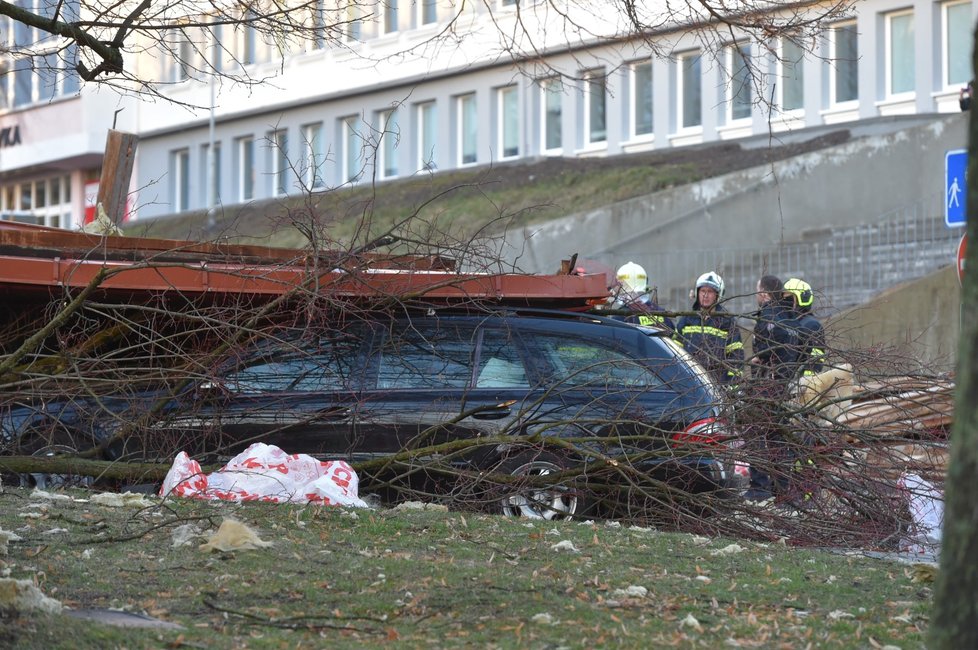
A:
846, 266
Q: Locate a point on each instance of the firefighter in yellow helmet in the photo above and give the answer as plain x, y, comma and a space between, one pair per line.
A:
634, 295
811, 334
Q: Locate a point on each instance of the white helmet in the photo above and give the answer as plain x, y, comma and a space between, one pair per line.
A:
712, 280
633, 277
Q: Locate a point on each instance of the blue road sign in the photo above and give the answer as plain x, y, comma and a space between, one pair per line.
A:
955, 182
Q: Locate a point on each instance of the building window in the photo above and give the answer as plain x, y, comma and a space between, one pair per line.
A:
844, 64
280, 157
390, 134
791, 73
39, 79
352, 26
245, 148
46, 202
210, 179
180, 173
389, 8
899, 53
596, 128
468, 129
509, 122
317, 18
739, 77
429, 11
552, 93
640, 85
352, 145
689, 91
313, 155
427, 136
956, 35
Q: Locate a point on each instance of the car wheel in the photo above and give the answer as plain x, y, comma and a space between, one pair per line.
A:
531, 496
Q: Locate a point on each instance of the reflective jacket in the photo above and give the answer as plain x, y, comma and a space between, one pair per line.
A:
776, 341
811, 344
647, 312
713, 339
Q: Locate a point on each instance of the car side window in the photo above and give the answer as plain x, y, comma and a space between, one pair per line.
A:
325, 364
500, 365
426, 358
579, 362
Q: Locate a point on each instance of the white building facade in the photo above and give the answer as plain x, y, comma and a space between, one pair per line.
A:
391, 99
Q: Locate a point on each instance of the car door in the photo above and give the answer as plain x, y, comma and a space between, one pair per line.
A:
599, 385
299, 394
436, 381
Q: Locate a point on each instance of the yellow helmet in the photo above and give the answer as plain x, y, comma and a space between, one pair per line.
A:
633, 277
801, 290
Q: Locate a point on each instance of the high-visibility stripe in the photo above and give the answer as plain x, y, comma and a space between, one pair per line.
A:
650, 320
704, 329
735, 346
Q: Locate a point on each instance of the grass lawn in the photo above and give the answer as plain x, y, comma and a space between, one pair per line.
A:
435, 579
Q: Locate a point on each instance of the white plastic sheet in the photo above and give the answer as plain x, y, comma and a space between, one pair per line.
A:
926, 503
266, 473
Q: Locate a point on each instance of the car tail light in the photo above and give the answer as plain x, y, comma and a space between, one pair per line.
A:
708, 431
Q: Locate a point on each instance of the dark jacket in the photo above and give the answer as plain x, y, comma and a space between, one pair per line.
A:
776, 341
646, 312
713, 339
811, 344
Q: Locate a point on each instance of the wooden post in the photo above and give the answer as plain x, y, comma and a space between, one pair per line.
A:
113, 185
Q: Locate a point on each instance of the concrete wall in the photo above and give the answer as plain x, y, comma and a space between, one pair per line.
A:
856, 182
919, 320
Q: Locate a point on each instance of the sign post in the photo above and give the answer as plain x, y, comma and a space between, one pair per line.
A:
955, 184
962, 246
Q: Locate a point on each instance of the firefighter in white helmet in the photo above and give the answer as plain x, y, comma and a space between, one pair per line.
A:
635, 295
711, 334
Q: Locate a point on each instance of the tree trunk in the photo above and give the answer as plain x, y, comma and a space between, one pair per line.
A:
954, 623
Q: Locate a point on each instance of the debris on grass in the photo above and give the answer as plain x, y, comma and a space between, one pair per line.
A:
565, 545
690, 621
730, 549
420, 505
233, 536
6, 537
184, 535
23, 596
50, 496
124, 500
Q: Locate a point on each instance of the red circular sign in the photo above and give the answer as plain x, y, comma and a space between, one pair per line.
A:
962, 245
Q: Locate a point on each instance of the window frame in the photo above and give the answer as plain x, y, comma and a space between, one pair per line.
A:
889, 54
685, 61
546, 92
427, 9
388, 127
427, 135
180, 168
634, 105
245, 167
834, 59
797, 71
946, 82
313, 155
595, 77
466, 129
279, 141
351, 145
508, 97
389, 17
738, 79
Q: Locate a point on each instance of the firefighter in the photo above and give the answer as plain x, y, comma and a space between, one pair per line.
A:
634, 295
773, 365
811, 334
711, 335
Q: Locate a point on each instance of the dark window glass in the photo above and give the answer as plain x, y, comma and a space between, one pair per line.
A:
577, 362
308, 366
428, 359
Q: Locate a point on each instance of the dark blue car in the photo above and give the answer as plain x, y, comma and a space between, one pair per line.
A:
448, 395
